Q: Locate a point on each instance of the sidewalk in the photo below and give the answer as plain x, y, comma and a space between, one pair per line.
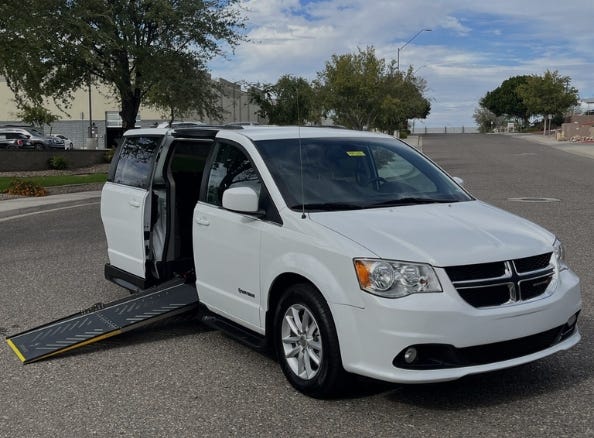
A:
19, 206
582, 149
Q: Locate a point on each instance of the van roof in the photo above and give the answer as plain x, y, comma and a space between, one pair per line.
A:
257, 132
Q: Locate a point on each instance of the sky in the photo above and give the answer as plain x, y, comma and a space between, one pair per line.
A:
472, 47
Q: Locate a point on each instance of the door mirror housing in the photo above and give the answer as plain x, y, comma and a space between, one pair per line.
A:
241, 200
459, 181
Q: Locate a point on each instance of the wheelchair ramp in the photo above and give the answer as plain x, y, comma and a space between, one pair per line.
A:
103, 321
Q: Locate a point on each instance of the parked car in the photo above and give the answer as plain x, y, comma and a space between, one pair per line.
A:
343, 251
68, 144
14, 140
38, 139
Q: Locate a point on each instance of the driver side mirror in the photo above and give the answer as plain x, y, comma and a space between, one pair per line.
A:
241, 200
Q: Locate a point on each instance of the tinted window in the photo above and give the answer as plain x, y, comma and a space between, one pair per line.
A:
231, 167
353, 173
135, 161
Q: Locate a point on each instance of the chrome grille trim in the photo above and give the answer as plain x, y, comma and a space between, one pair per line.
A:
492, 295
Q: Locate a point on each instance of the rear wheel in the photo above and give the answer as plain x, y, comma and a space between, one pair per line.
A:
306, 342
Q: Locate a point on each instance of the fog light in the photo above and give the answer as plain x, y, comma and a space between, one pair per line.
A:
410, 355
572, 320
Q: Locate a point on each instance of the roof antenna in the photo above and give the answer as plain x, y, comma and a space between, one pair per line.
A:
303, 216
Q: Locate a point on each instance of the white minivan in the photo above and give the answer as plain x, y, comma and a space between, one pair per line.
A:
346, 252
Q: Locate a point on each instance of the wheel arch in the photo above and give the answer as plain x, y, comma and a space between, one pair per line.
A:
277, 288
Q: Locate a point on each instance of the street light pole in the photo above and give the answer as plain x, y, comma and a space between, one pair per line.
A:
406, 44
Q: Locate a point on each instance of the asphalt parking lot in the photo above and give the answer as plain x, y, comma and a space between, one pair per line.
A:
180, 379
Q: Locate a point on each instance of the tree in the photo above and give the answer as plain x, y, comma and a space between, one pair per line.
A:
184, 90
505, 100
548, 94
361, 91
526, 96
403, 100
52, 47
486, 119
36, 115
289, 101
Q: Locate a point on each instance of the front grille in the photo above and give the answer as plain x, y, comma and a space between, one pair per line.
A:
487, 296
534, 287
535, 263
499, 283
476, 272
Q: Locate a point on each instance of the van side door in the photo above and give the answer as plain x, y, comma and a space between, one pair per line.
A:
227, 243
125, 205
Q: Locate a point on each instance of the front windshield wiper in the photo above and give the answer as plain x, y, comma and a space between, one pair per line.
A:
327, 206
411, 201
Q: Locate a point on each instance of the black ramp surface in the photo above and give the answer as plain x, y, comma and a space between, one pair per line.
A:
103, 321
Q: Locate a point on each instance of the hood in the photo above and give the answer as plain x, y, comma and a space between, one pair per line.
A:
440, 234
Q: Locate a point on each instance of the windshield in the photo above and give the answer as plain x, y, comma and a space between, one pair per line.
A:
354, 173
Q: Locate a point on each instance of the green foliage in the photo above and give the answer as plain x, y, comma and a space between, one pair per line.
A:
25, 188
50, 48
361, 91
505, 100
291, 101
548, 94
184, 89
403, 100
36, 115
57, 162
525, 96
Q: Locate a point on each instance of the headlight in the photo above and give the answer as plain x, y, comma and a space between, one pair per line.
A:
394, 279
559, 256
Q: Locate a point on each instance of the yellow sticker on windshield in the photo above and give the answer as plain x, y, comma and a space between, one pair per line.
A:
355, 153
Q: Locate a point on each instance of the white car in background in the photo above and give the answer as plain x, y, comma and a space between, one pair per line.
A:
68, 144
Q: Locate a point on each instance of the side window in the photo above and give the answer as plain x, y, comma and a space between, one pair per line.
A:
135, 161
230, 168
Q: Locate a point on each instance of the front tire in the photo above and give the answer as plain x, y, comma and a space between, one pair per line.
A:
306, 342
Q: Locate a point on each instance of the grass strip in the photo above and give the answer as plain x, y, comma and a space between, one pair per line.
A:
58, 180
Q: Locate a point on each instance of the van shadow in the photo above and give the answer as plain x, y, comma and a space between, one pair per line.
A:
553, 374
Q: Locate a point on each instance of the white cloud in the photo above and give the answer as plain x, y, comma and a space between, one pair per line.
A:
518, 37
453, 23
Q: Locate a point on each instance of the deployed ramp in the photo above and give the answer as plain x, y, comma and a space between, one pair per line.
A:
102, 321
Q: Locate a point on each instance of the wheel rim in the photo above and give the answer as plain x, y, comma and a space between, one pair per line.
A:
301, 340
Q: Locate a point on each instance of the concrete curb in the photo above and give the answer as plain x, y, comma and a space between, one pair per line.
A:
20, 206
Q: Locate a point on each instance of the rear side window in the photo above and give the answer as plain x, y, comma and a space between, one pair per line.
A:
135, 161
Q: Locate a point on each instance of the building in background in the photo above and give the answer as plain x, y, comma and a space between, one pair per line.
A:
93, 120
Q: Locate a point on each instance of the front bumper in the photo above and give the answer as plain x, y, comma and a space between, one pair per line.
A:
372, 338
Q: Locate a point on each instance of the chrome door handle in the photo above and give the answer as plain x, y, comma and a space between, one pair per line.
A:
202, 221
133, 203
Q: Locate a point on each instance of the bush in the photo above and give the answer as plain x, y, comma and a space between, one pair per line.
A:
57, 162
23, 187
108, 155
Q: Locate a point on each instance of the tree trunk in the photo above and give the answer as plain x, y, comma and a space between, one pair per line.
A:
130, 108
